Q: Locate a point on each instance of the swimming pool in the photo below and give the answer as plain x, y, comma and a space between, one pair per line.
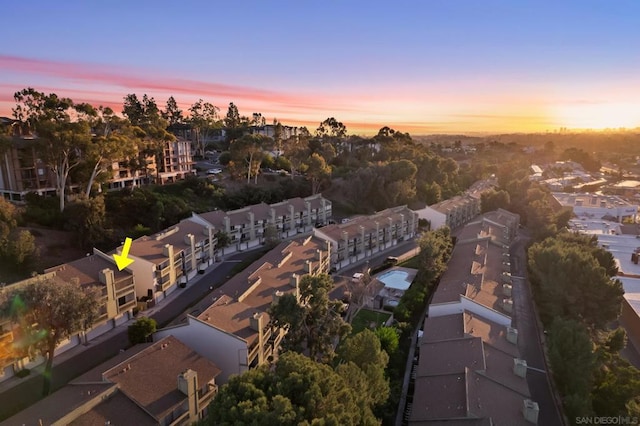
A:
395, 279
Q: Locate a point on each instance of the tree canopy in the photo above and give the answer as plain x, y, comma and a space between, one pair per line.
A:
314, 323
48, 312
298, 391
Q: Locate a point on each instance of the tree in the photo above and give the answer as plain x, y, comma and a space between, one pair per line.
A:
233, 123
223, 240
49, 312
249, 151
17, 248
364, 350
271, 236
114, 139
146, 115
141, 330
571, 284
172, 113
493, 200
61, 140
317, 171
86, 218
315, 323
389, 339
572, 361
331, 128
297, 391
204, 119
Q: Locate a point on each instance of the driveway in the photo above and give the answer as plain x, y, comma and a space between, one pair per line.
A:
529, 338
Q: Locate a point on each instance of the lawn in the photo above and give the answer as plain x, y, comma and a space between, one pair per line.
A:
366, 318
413, 263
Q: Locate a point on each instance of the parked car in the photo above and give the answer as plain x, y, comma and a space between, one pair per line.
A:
214, 171
391, 260
357, 277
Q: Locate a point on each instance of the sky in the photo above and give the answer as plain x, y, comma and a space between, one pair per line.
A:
423, 66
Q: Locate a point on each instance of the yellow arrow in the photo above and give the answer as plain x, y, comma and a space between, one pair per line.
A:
121, 259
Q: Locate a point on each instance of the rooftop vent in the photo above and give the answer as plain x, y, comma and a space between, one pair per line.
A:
512, 335
507, 304
520, 367
530, 410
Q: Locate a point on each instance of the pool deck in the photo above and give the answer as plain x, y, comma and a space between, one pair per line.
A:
389, 294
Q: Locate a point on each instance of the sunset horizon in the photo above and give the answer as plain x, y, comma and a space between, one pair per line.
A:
493, 69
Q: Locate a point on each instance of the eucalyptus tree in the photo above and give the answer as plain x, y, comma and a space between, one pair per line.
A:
63, 131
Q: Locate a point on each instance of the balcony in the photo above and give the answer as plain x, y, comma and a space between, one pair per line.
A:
124, 286
126, 306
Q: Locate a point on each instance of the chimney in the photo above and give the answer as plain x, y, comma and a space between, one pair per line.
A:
520, 367
530, 410
167, 251
256, 322
188, 385
506, 289
309, 267
294, 282
507, 305
512, 335
106, 276
189, 240
275, 298
227, 224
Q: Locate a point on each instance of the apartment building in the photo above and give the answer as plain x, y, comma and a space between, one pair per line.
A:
270, 131
170, 258
246, 227
235, 331
165, 383
453, 212
22, 171
176, 163
478, 276
363, 236
117, 301
469, 371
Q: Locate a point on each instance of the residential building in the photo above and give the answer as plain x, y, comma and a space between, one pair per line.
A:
176, 162
270, 131
458, 210
165, 383
170, 258
478, 277
117, 301
363, 236
22, 171
246, 227
235, 331
123, 176
625, 188
596, 206
469, 371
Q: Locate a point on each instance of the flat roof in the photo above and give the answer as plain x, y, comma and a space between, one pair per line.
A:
461, 271
588, 200
632, 292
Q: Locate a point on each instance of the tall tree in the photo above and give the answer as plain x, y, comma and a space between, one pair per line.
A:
364, 350
49, 312
314, 324
331, 128
172, 113
146, 115
204, 119
249, 151
61, 140
233, 123
318, 171
113, 139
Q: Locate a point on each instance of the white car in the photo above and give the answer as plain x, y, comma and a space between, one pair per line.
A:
214, 171
357, 277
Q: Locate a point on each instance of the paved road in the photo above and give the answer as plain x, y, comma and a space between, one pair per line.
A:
529, 338
29, 391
